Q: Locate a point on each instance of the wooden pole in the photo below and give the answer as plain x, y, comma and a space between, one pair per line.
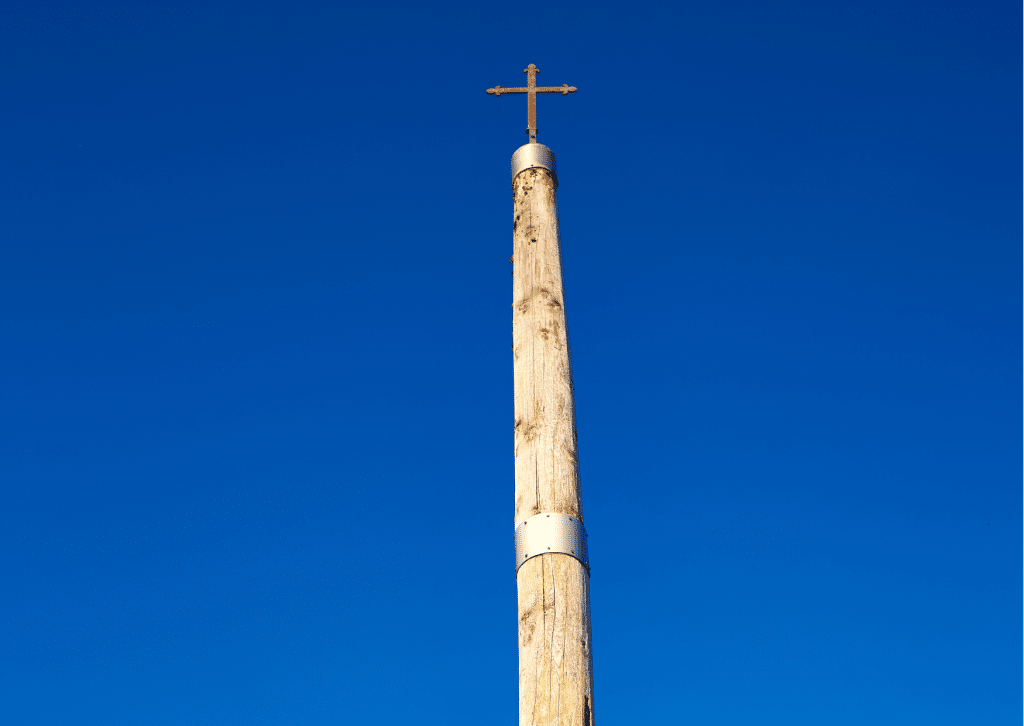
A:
555, 666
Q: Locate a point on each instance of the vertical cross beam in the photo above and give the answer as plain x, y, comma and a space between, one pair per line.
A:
531, 102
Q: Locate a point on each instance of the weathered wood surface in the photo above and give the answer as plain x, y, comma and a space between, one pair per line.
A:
555, 674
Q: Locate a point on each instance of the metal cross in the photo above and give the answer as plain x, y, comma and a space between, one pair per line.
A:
532, 89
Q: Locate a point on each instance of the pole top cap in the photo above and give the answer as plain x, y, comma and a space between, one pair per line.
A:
534, 156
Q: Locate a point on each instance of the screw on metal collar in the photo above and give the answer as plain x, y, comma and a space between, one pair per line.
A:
551, 533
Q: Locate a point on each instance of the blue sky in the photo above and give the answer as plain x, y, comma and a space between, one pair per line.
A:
257, 389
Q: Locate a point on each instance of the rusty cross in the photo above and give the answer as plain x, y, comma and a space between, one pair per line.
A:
532, 89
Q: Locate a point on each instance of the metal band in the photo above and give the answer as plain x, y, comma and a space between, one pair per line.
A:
534, 156
547, 533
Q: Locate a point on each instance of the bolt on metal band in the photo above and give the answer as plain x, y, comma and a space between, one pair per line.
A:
548, 533
534, 156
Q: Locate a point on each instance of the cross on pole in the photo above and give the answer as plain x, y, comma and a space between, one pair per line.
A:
532, 89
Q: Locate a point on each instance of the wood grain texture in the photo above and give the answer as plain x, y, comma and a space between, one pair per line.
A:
555, 674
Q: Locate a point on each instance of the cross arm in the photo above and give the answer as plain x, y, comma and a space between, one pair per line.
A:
564, 89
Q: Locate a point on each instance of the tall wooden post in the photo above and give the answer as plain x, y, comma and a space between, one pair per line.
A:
555, 669
556, 680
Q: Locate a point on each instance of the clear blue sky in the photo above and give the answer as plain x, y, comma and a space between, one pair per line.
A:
257, 388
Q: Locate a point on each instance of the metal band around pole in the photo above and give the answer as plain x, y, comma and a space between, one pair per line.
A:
534, 156
550, 533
